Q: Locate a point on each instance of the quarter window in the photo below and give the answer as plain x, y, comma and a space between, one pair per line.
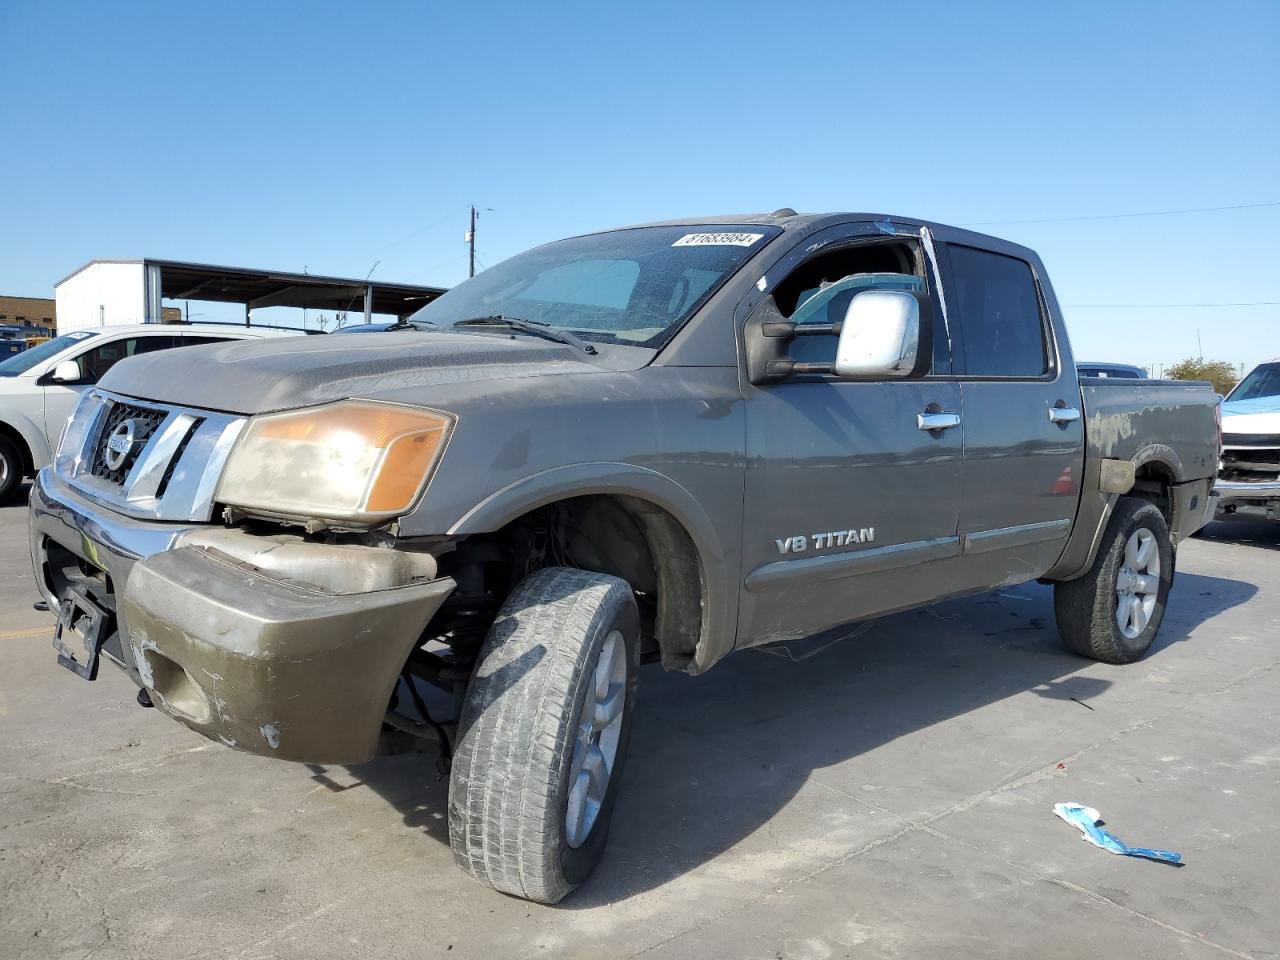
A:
999, 312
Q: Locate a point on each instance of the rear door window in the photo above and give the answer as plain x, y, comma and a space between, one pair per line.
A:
999, 313
95, 363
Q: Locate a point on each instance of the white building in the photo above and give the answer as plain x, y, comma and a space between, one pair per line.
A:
109, 293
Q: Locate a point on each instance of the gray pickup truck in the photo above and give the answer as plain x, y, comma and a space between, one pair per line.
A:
662, 443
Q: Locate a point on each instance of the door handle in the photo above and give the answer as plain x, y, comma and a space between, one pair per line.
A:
937, 421
1063, 414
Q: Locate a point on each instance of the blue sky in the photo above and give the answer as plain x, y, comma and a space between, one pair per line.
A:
332, 136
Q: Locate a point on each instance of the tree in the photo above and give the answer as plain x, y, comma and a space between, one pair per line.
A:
1218, 372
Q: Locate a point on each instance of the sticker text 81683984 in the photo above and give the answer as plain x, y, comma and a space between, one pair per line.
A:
717, 239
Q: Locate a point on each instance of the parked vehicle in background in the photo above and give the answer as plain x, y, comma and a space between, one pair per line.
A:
11, 340
40, 386
1249, 480
395, 325
1109, 371
662, 443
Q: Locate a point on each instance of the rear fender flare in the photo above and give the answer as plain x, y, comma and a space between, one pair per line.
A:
1074, 562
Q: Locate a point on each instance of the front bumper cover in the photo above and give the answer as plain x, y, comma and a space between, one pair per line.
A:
242, 648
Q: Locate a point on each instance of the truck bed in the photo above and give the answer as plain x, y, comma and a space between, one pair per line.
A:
1121, 415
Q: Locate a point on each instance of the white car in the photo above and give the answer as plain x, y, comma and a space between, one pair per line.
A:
38, 387
1249, 481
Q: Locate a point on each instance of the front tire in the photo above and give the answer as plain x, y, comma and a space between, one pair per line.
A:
543, 734
1114, 611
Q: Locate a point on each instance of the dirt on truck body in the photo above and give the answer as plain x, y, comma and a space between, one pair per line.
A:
655, 444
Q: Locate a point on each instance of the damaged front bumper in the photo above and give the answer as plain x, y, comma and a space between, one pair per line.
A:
274, 645
1258, 498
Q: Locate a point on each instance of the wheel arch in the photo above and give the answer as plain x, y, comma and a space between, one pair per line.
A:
18, 437
697, 599
1157, 472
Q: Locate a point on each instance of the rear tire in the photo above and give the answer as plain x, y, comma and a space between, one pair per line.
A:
543, 734
1114, 611
12, 469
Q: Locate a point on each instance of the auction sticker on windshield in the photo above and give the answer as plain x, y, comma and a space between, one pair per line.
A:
717, 239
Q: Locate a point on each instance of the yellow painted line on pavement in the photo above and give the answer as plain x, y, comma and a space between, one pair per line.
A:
33, 632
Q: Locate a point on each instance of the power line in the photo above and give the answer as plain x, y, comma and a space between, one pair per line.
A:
1165, 306
1122, 216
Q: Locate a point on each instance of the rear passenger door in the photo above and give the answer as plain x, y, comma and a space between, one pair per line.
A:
1023, 433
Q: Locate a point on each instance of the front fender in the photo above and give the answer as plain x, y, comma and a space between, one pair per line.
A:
31, 434
625, 479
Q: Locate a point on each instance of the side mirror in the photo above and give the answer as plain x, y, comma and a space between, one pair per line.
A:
880, 337
68, 371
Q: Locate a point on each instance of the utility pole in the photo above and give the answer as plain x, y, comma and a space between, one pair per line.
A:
471, 239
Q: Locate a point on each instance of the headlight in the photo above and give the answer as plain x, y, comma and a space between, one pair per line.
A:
354, 460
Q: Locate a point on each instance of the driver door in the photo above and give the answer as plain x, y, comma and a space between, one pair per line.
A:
851, 508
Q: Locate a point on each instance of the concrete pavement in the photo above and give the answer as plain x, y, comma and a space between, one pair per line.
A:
888, 795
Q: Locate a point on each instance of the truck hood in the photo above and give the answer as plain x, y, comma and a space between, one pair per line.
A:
1261, 415
249, 377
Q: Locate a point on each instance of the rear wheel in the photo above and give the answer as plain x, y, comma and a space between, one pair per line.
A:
1114, 611
11, 469
543, 734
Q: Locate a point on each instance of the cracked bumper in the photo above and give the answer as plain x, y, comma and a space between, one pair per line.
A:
237, 640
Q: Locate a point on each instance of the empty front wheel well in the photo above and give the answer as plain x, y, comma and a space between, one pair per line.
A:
625, 536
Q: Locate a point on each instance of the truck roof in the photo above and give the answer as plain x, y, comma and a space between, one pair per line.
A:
226, 328
791, 221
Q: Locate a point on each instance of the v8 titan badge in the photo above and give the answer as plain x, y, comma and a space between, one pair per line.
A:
820, 541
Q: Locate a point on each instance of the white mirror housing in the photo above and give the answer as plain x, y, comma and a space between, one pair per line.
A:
68, 371
880, 336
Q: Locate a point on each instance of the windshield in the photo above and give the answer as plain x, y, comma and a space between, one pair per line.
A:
22, 362
1264, 381
627, 286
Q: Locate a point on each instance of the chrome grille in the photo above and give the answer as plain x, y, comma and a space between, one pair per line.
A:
169, 472
146, 422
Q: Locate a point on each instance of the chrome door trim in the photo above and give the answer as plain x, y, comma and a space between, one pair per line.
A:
1017, 536
781, 574
1063, 414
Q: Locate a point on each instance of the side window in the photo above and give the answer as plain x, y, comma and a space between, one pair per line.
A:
866, 266
191, 340
999, 314
96, 362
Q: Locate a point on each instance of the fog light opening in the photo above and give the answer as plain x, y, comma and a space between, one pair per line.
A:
175, 688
